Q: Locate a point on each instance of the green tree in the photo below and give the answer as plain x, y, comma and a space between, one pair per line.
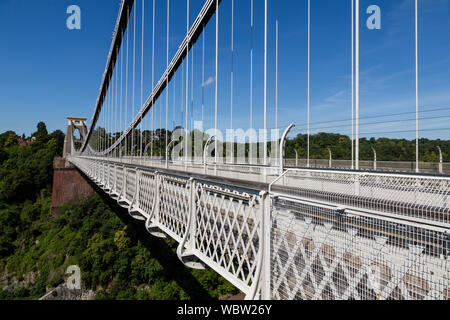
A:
121, 240
42, 129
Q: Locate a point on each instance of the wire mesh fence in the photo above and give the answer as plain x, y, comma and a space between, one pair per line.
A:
318, 253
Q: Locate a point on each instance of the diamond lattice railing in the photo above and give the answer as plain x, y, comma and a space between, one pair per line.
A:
147, 184
229, 231
130, 184
174, 206
318, 254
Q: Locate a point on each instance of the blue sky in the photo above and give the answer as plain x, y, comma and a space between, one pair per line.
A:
48, 72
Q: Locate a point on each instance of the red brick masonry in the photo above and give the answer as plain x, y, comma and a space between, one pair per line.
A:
68, 185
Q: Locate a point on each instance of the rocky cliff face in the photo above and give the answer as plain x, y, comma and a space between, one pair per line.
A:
12, 283
63, 293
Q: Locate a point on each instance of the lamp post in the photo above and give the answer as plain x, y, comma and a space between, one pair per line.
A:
204, 151
374, 159
441, 169
331, 157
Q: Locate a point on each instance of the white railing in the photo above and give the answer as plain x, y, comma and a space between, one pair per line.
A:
415, 197
389, 166
214, 226
317, 234
319, 252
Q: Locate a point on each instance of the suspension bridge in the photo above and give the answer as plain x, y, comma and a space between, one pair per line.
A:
276, 228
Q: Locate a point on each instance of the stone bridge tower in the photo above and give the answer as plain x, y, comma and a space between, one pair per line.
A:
73, 123
68, 183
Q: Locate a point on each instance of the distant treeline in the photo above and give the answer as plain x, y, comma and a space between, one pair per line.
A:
340, 145
387, 149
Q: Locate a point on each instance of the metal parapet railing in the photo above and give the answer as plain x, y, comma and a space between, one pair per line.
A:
318, 234
319, 253
219, 227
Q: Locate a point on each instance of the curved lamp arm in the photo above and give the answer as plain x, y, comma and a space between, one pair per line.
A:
146, 148
167, 152
282, 144
205, 149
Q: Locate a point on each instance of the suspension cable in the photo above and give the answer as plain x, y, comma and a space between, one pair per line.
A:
174, 101
167, 79
182, 94
217, 80
142, 72
232, 64
276, 72
134, 80
126, 89
357, 86
353, 81
265, 83
153, 128
251, 78
116, 106
187, 80
309, 82
417, 83
203, 74
192, 87
121, 97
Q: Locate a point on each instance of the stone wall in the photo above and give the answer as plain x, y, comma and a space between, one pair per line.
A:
68, 184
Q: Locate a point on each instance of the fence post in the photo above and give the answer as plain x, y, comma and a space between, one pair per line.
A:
125, 180
115, 178
192, 213
157, 197
108, 176
137, 191
266, 247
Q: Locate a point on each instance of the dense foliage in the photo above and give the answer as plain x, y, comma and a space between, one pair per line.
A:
118, 259
25, 175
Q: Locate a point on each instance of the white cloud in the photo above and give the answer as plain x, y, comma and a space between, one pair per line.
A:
208, 81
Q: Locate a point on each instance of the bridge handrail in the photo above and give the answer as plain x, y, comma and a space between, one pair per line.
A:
412, 196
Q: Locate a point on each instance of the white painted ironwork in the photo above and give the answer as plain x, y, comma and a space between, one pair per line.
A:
423, 198
317, 234
320, 252
218, 227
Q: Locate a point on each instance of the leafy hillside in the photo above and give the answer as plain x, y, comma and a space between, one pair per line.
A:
117, 260
117, 257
